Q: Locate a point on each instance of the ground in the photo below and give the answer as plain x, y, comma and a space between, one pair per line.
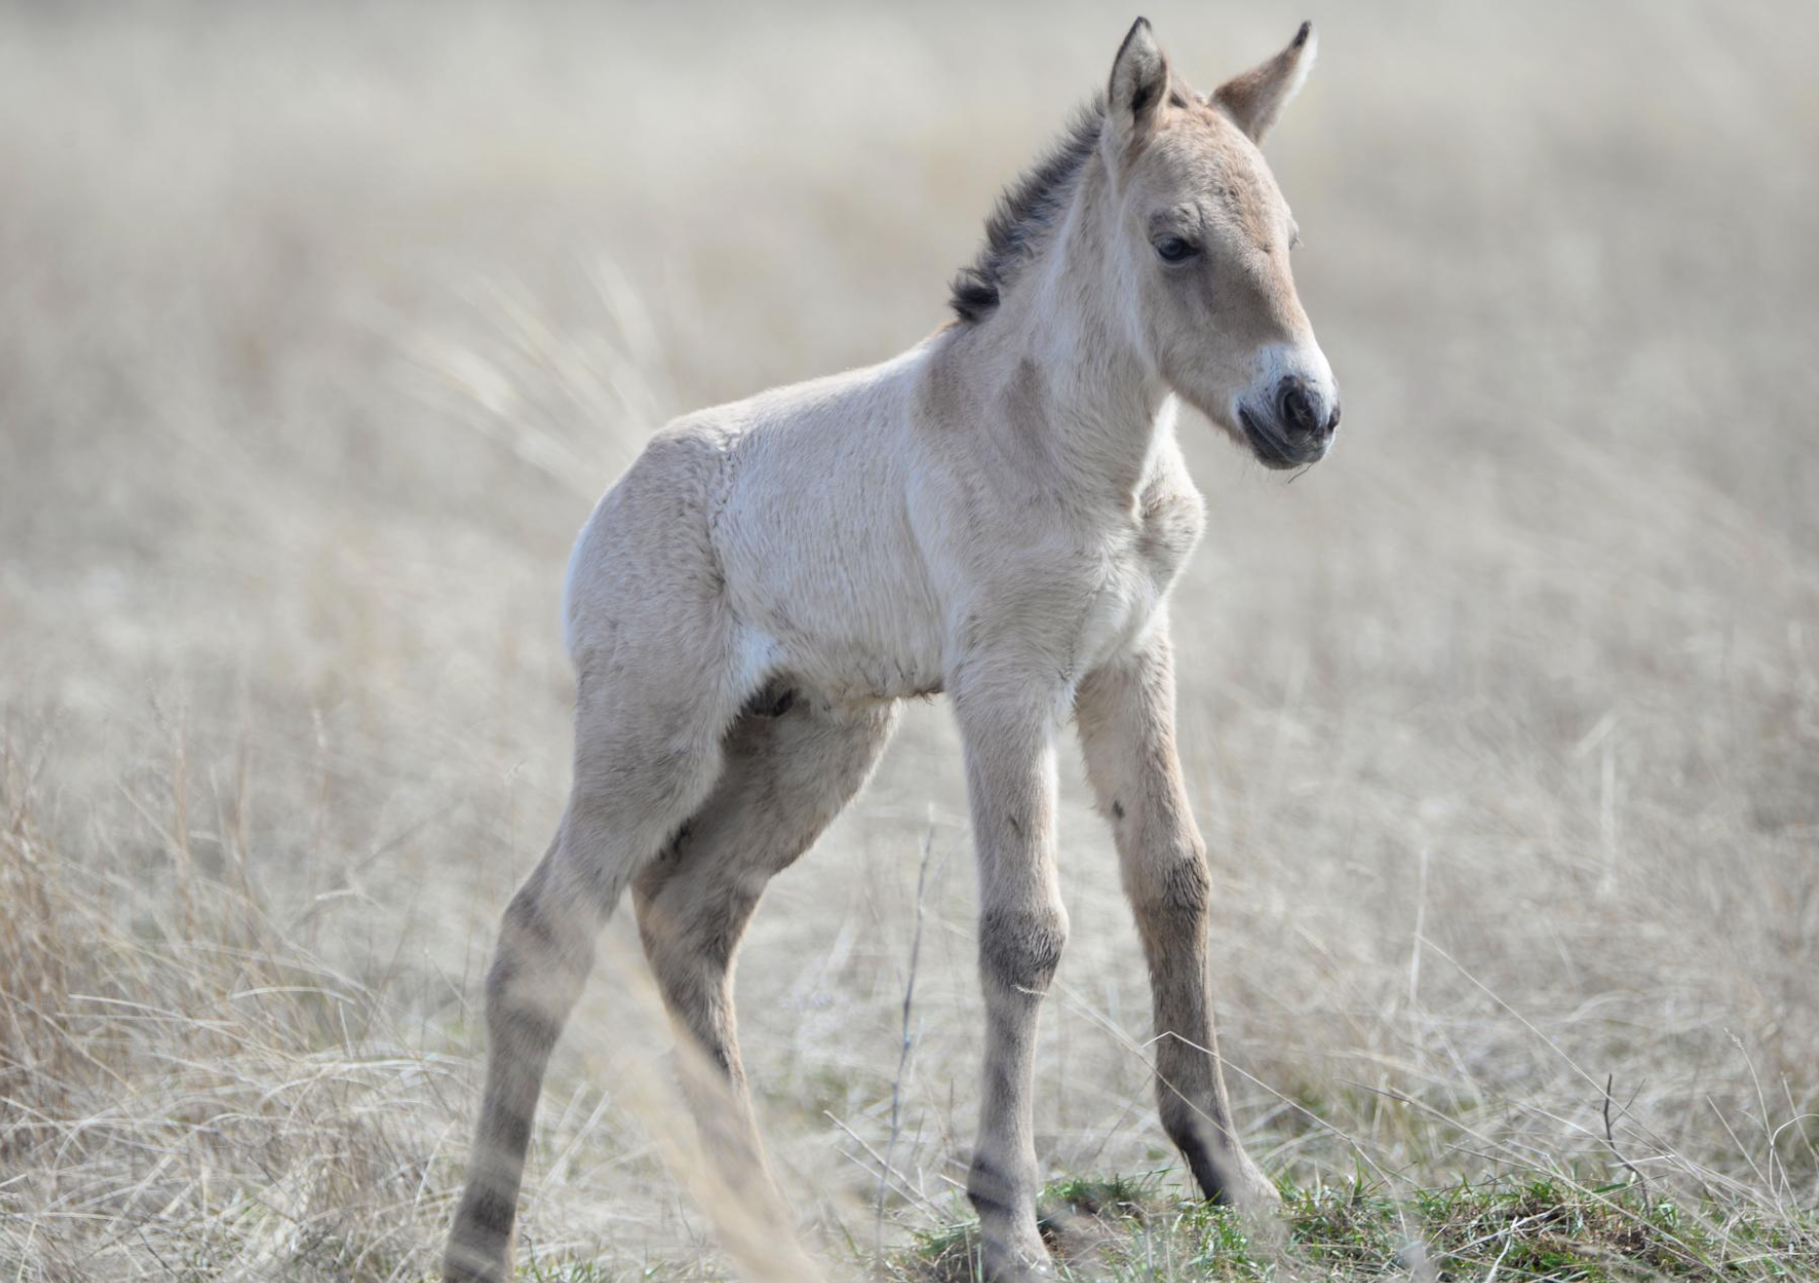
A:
320, 330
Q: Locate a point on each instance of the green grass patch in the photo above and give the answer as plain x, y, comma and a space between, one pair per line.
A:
1124, 1230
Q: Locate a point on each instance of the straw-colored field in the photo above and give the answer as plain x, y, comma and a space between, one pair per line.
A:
321, 328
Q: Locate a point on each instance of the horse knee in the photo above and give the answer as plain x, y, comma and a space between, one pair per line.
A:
1020, 948
1182, 885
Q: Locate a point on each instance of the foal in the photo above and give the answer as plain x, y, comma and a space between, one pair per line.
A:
997, 513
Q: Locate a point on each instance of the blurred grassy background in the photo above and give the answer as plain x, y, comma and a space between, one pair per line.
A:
320, 329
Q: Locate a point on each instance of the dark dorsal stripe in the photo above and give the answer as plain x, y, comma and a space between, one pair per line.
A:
1027, 208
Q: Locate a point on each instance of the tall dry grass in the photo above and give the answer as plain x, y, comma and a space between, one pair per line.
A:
319, 331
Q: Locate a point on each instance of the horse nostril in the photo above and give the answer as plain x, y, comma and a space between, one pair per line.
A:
1332, 424
1296, 409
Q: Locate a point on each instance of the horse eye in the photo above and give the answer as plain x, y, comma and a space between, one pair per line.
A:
1172, 249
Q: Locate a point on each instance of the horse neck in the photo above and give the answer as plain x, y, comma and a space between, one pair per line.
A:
1058, 350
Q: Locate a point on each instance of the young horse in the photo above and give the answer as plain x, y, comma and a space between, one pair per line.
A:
998, 514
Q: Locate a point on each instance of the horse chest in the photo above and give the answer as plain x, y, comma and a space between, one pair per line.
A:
1121, 606
1137, 569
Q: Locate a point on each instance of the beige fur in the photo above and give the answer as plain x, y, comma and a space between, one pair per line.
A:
998, 513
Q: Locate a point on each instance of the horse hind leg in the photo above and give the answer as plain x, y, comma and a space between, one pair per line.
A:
790, 768
647, 754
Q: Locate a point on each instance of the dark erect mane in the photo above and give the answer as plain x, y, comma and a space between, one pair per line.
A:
1027, 208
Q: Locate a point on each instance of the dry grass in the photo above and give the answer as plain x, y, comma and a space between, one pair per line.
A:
318, 334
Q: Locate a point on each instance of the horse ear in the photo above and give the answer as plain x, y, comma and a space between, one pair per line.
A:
1139, 80
1254, 99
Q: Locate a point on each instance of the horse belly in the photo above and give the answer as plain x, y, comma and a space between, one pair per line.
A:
851, 646
846, 608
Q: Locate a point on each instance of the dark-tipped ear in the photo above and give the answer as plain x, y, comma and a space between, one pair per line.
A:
1256, 98
1139, 80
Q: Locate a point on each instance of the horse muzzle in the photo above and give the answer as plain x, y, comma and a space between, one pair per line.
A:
1295, 428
